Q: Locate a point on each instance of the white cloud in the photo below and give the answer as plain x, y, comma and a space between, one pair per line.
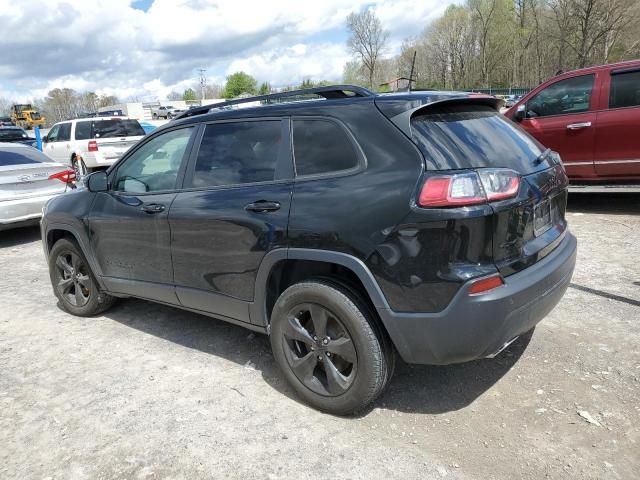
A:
109, 47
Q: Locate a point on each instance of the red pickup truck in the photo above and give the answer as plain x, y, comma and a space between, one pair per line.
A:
592, 118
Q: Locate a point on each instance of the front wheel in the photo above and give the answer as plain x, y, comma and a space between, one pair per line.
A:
73, 282
326, 344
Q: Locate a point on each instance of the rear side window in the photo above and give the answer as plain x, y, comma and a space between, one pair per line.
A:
21, 156
473, 136
64, 134
625, 90
83, 130
116, 128
572, 95
238, 152
320, 147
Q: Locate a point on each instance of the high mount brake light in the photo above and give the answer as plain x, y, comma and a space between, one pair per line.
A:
66, 176
469, 188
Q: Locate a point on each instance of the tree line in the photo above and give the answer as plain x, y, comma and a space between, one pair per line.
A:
498, 43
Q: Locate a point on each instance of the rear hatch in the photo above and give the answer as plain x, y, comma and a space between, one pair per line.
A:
469, 135
24, 173
113, 137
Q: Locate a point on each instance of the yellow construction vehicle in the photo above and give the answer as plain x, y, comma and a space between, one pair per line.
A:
26, 117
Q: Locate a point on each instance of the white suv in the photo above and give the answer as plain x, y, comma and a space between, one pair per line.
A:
88, 143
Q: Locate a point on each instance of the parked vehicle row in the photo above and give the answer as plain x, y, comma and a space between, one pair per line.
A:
348, 229
592, 118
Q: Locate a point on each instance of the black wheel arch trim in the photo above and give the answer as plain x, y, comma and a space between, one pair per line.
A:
82, 242
257, 309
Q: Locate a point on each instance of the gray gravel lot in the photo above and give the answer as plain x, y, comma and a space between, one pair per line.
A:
148, 391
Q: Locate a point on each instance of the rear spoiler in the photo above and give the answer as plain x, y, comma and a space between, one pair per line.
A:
403, 120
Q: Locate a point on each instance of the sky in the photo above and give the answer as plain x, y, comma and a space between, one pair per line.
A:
148, 48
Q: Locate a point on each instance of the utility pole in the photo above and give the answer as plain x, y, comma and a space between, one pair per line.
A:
413, 65
203, 82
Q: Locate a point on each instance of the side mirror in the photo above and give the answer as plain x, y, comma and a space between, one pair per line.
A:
45, 139
97, 181
520, 113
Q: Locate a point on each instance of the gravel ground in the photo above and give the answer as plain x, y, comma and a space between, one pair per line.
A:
148, 391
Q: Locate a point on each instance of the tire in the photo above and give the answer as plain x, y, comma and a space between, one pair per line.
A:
328, 346
73, 282
154, 116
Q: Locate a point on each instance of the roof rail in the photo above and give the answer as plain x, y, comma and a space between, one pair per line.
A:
329, 92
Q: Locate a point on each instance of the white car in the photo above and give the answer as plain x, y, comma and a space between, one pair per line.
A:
163, 111
28, 179
88, 143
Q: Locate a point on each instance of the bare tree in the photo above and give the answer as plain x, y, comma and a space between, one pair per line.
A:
367, 40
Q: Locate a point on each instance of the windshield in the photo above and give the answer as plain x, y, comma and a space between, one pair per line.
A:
12, 134
116, 128
473, 136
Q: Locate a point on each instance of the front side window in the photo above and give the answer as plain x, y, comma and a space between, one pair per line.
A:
64, 135
154, 166
572, 95
321, 146
52, 136
237, 153
625, 90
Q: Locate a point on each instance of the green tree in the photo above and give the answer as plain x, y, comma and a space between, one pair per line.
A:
189, 95
239, 83
264, 89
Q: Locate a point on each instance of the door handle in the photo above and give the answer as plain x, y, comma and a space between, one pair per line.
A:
152, 208
578, 126
262, 206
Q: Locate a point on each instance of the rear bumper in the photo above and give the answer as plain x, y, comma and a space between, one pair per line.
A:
22, 210
473, 327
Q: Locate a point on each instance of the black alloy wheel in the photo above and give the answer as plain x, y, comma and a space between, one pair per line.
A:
319, 350
73, 281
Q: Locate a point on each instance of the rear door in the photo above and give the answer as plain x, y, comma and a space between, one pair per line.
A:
129, 223
562, 117
234, 208
617, 150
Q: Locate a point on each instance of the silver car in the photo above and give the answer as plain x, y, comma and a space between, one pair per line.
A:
26, 183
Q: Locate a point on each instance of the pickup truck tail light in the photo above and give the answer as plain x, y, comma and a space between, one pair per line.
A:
66, 176
92, 146
469, 188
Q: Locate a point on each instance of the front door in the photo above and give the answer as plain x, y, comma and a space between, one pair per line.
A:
561, 118
234, 208
129, 228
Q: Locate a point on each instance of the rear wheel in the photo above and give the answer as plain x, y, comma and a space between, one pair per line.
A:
73, 282
328, 348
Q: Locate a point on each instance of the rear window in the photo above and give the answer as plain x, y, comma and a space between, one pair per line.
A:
115, 128
21, 156
473, 136
321, 147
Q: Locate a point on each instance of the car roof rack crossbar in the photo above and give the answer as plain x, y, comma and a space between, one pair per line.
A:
329, 92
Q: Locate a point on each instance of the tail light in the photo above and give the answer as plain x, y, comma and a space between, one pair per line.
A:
92, 146
66, 176
469, 188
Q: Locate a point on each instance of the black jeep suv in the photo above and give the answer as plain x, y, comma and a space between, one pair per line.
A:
347, 226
